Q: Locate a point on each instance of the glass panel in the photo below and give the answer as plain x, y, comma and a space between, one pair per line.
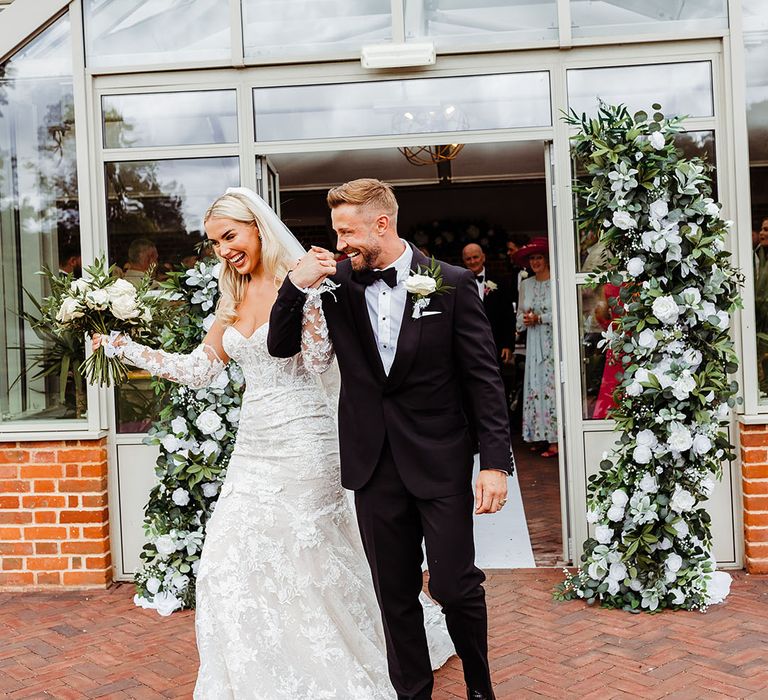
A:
454, 23
402, 107
312, 28
140, 33
169, 119
598, 369
691, 143
39, 226
756, 49
612, 17
154, 215
680, 88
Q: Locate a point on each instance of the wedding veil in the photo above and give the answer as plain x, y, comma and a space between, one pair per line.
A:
330, 380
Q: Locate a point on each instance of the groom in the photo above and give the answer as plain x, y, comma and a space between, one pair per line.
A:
407, 378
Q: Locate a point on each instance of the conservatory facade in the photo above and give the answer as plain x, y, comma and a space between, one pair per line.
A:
121, 121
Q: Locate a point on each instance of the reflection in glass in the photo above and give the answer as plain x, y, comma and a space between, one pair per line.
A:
456, 22
140, 33
154, 213
169, 119
680, 88
39, 226
600, 371
692, 144
756, 55
311, 29
416, 106
612, 17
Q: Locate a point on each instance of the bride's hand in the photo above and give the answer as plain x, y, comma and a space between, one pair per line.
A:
313, 268
97, 340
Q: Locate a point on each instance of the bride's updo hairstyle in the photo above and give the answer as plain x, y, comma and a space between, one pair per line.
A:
274, 256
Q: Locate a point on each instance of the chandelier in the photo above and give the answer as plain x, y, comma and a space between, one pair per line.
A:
433, 119
430, 155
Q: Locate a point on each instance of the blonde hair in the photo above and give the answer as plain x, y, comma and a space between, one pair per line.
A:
274, 256
367, 193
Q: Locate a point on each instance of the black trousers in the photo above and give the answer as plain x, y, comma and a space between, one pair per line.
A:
392, 524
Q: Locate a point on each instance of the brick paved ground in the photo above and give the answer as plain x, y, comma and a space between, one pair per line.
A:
97, 645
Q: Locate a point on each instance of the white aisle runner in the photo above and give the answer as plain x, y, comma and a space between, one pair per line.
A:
501, 539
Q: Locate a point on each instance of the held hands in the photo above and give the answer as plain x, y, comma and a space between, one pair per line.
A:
490, 491
98, 340
531, 319
313, 268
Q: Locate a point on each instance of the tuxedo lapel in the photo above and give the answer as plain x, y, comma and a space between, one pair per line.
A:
363, 324
410, 333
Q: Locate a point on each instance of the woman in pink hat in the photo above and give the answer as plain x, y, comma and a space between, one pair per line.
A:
534, 314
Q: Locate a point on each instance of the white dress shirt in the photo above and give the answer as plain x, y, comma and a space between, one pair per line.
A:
386, 306
481, 285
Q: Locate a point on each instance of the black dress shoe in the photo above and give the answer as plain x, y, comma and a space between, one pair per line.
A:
479, 695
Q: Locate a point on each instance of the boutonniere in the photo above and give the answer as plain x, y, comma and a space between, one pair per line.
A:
488, 287
423, 283
523, 274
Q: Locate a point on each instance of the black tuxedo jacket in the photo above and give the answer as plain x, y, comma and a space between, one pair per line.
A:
498, 308
441, 360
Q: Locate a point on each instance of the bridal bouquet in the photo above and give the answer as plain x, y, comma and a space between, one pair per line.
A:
103, 303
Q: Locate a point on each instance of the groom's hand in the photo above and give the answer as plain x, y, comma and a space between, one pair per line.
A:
313, 268
490, 491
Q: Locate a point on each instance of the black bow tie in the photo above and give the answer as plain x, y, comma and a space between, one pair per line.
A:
480, 278
366, 277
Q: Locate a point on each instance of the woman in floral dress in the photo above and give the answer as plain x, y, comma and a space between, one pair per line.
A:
534, 314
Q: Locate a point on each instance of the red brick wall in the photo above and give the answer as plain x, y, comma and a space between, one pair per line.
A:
754, 471
54, 520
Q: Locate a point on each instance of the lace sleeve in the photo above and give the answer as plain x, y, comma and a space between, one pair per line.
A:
197, 369
316, 347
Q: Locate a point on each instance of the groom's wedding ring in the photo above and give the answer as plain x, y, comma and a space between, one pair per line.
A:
502, 502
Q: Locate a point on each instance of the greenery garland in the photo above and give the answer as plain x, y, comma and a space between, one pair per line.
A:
195, 433
665, 250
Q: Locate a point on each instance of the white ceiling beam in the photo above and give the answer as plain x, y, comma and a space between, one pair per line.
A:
23, 19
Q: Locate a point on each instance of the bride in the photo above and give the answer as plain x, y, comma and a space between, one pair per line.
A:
285, 603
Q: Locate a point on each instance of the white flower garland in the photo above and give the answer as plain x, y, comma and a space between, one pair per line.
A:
652, 543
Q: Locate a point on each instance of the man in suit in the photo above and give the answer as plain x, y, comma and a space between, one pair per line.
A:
496, 299
406, 361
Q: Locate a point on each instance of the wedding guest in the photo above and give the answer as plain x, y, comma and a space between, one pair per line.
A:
142, 254
515, 241
70, 260
534, 314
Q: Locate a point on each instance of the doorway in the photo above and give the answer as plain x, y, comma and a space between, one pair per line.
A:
491, 193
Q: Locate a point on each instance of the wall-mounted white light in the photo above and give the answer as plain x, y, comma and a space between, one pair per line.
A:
398, 55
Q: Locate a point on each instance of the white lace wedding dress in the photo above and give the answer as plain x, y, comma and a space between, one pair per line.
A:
285, 602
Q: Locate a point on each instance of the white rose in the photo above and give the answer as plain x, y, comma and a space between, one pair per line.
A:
647, 340
593, 516
701, 445
166, 603
710, 207
210, 489
642, 454
209, 447
656, 140
665, 309
681, 500
618, 571
420, 284
595, 571
692, 357
681, 527
635, 267
125, 307
615, 513
623, 220
79, 286
647, 437
673, 562
70, 309
180, 496
153, 585
121, 288
97, 299
233, 415
603, 534
691, 296
723, 411
165, 545
642, 374
634, 389
208, 422
718, 587
619, 498
680, 438
179, 426
683, 386
170, 443
648, 483
658, 209
724, 320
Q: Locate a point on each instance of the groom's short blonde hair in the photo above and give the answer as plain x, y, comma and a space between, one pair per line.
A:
368, 193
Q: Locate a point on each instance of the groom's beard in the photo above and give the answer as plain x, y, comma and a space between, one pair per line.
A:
366, 259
